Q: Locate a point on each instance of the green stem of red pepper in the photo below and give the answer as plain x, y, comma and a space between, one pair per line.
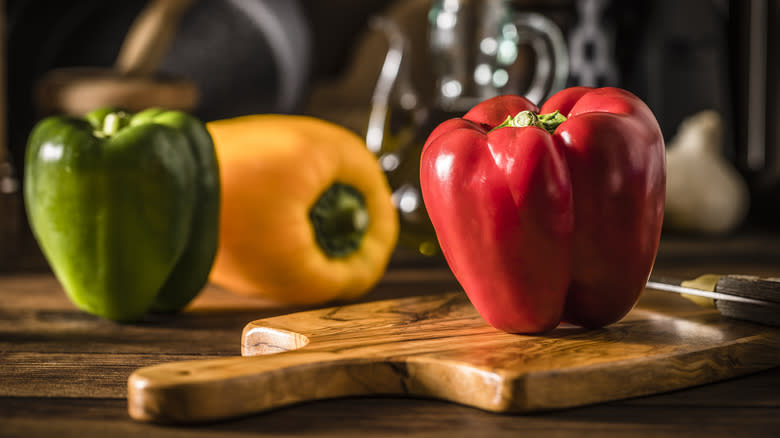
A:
548, 122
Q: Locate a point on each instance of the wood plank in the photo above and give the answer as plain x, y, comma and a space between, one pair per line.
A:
71, 331
755, 390
73, 374
38, 325
42, 292
36, 316
393, 417
49, 348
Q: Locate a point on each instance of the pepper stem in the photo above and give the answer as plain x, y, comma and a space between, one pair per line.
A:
548, 122
340, 219
112, 123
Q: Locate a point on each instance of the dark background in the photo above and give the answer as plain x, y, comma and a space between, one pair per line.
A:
679, 56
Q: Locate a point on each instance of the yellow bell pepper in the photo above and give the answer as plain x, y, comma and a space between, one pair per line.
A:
306, 213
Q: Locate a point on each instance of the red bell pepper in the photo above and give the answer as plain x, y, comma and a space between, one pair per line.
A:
552, 217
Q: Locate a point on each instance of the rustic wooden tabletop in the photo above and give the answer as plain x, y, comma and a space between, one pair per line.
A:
64, 373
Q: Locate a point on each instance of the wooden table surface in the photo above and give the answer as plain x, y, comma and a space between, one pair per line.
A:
64, 373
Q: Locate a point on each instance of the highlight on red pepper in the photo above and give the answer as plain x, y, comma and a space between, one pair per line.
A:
552, 215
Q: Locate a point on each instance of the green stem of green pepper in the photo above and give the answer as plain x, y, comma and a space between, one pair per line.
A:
340, 220
113, 122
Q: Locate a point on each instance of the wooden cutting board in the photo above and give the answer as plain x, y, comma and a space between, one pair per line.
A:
438, 347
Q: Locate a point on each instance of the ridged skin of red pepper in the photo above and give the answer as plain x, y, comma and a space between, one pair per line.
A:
501, 204
540, 228
615, 153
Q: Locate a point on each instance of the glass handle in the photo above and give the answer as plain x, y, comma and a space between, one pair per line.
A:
394, 83
552, 61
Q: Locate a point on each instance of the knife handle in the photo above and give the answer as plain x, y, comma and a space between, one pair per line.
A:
748, 286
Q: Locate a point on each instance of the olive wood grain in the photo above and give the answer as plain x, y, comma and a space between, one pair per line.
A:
438, 347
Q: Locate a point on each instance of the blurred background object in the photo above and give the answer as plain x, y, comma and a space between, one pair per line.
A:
421, 62
243, 56
10, 197
13, 230
755, 65
476, 48
592, 43
342, 60
704, 192
132, 83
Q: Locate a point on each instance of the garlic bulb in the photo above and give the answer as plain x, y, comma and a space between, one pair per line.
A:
704, 192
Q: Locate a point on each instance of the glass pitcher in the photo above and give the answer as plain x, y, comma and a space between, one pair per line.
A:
474, 52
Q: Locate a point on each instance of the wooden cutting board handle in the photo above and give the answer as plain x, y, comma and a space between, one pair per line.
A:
183, 392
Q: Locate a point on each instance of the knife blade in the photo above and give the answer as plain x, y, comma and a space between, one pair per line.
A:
743, 297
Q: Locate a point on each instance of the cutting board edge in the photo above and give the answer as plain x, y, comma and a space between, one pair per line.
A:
740, 357
509, 391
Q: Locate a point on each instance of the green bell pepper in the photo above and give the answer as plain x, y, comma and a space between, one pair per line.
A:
125, 208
